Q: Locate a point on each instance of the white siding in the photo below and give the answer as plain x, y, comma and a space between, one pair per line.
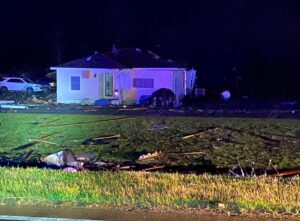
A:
92, 88
89, 87
162, 79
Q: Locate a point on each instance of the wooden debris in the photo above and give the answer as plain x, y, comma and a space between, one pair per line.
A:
153, 155
289, 172
199, 133
154, 168
113, 137
27, 156
51, 135
125, 168
261, 136
43, 141
22, 147
85, 157
89, 122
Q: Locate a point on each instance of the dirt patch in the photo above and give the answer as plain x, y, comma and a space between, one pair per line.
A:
132, 213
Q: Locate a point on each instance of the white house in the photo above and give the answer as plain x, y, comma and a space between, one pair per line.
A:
123, 76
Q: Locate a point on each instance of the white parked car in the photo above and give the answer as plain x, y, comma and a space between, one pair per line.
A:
19, 84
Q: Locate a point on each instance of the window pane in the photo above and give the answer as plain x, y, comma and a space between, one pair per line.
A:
15, 81
143, 83
75, 83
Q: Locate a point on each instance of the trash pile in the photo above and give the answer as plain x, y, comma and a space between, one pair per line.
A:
21, 100
67, 160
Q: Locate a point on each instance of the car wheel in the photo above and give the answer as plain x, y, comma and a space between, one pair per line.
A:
29, 91
3, 90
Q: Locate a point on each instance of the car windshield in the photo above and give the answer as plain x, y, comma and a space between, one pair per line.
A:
28, 81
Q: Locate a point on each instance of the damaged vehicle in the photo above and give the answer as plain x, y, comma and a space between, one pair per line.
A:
19, 84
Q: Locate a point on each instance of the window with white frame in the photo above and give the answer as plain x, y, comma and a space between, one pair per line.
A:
143, 83
75, 83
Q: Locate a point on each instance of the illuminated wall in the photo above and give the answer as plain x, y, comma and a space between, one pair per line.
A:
148, 79
89, 84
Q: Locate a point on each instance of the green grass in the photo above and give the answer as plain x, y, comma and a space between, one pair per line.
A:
221, 147
52, 187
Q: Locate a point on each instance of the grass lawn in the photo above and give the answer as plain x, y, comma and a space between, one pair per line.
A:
55, 187
228, 139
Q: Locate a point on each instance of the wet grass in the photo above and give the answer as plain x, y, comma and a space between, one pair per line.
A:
248, 140
52, 187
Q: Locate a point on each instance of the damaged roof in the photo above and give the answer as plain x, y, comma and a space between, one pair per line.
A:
97, 60
136, 58
122, 58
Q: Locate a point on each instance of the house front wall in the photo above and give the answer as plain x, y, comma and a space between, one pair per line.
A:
90, 84
147, 80
143, 78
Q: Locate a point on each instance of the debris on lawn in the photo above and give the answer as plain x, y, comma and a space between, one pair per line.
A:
100, 163
60, 159
154, 168
261, 136
199, 132
286, 173
7, 102
158, 127
87, 101
102, 140
35, 100
153, 155
70, 170
13, 106
22, 147
90, 122
85, 157
27, 156
42, 141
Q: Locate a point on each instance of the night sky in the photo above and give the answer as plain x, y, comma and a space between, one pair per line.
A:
256, 40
